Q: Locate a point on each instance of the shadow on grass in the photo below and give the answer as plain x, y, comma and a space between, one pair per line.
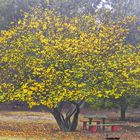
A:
132, 128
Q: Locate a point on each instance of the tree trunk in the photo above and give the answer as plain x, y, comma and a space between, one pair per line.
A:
70, 121
123, 111
123, 108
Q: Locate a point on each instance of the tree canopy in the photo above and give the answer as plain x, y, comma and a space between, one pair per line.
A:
47, 59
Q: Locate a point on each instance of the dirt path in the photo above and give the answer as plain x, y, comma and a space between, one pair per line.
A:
25, 117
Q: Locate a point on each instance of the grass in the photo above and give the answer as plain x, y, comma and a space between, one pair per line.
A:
42, 126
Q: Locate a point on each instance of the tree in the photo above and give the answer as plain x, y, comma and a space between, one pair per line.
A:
11, 10
123, 77
47, 59
125, 101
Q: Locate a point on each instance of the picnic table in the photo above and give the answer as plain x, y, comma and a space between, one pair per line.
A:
114, 127
92, 117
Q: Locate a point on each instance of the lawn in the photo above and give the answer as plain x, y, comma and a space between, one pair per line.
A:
26, 125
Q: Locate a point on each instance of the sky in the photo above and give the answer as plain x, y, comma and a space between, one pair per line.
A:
104, 4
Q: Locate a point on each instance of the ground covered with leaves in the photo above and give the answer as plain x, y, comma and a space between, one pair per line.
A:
42, 126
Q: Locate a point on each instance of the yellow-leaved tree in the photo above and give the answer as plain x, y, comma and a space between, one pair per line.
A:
50, 60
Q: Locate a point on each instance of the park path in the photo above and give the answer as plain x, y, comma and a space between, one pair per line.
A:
25, 117
21, 138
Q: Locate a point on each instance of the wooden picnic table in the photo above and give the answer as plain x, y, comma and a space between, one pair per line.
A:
92, 117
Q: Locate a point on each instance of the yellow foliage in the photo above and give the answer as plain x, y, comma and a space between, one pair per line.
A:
47, 59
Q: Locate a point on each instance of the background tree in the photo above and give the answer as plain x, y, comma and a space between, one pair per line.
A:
11, 10
123, 79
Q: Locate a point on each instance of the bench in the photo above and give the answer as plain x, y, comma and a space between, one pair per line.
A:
86, 123
114, 127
